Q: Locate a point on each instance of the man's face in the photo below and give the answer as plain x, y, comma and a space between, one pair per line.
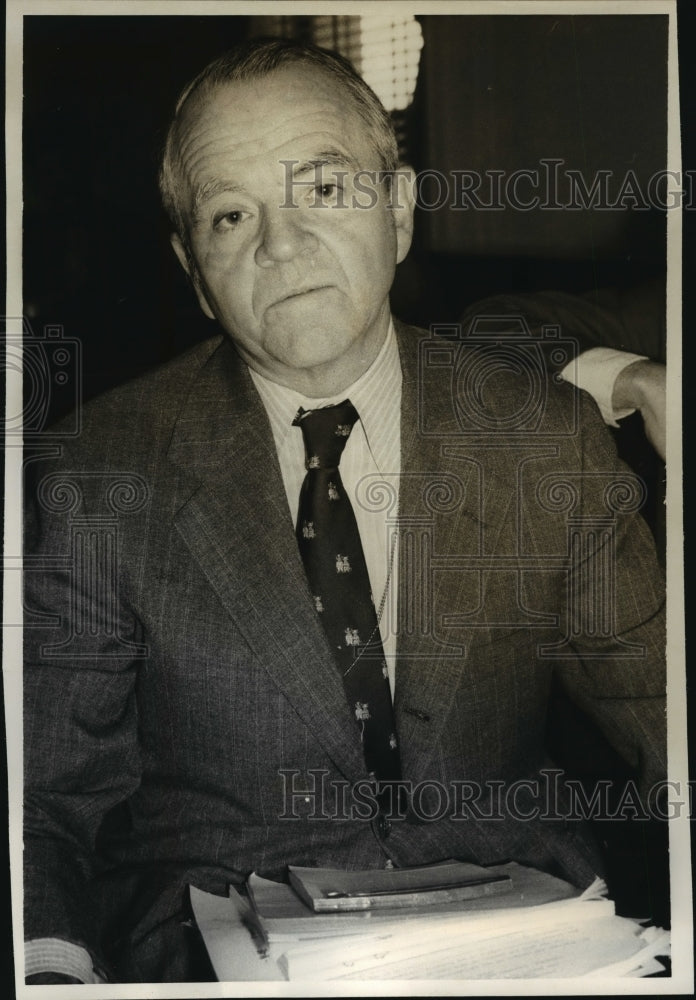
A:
298, 281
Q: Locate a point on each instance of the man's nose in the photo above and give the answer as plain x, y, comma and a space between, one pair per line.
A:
284, 235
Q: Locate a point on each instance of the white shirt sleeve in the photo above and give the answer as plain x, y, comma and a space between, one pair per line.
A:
55, 955
596, 371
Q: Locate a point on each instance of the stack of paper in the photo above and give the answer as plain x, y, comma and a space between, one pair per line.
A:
306, 908
535, 926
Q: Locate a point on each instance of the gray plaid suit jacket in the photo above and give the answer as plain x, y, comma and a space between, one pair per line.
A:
184, 720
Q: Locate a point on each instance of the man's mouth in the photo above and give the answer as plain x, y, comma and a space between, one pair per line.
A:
299, 293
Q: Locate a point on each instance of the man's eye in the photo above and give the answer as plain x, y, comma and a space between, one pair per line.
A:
326, 192
229, 220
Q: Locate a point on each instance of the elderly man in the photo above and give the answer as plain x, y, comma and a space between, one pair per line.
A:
297, 597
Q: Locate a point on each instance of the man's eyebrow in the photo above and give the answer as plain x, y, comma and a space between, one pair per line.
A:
204, 192
325, 158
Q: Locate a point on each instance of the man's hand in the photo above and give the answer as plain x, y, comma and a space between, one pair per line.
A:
641, 386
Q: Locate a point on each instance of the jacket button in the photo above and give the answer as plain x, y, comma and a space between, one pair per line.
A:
383, 826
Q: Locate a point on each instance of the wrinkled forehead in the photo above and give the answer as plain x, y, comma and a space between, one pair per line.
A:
280, 114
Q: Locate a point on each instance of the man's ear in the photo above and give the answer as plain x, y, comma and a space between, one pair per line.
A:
185, 261
403, 204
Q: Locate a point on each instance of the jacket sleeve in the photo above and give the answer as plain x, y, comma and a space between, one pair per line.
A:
625, 319
81, 753
612, 656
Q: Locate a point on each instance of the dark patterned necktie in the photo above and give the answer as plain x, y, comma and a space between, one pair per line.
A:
329, 541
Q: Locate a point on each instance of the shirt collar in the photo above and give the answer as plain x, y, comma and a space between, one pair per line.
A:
376, 395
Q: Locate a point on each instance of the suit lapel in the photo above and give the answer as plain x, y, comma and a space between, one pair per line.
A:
224, 443
428, 673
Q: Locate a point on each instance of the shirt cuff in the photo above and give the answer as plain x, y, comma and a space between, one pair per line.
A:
55, 955
596, 371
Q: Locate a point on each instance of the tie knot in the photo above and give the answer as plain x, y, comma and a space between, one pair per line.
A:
325, 432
